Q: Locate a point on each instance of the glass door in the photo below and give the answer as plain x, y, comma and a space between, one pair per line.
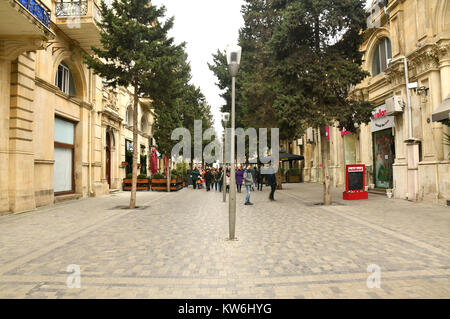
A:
384, 155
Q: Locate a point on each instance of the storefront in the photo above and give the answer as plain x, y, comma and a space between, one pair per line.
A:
383, 147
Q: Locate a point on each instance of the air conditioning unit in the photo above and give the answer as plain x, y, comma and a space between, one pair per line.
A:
310, 135
394, 105
300, 141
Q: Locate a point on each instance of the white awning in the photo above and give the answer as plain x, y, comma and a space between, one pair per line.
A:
443, 111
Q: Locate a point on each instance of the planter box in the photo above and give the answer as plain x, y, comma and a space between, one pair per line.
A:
142, 184
294, 179
160, 184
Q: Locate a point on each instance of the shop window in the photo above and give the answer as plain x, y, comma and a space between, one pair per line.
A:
64, 80
381, 56
64, 156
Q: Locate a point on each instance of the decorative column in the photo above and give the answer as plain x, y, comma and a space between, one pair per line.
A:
21, 152
5, 76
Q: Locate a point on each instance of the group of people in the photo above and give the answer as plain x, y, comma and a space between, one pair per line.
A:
212, 178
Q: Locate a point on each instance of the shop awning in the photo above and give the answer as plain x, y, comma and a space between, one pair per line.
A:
290, 157
443, 111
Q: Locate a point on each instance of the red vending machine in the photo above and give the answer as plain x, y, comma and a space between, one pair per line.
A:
355, 181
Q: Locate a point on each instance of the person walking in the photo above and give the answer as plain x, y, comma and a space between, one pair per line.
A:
259, 179
272, 182
208, 179
248, 181
220, 179
195, 174
215, 178
228, 181
239, 178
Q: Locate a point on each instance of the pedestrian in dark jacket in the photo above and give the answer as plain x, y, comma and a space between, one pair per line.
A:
208, 178
248, 180
239, 178
272, 181
195, 174
259, 179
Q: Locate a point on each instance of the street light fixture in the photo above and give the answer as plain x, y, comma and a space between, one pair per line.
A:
225, 119
233, 60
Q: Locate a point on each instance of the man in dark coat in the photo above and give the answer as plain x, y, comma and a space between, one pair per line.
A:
272, 182
195, 175
208, 178
259, 179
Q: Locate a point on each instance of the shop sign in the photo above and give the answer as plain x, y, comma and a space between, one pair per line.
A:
380, 121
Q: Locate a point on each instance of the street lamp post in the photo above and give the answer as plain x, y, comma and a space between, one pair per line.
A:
233, 60
225, 119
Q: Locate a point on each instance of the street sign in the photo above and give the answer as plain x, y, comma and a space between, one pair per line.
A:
355, 181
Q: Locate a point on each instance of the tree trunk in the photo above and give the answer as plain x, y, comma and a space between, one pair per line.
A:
135, 149
168, 175
278, 178
326, 173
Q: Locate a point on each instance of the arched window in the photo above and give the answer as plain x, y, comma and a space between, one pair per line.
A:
64, 80
144, 123
383, 53
129, 116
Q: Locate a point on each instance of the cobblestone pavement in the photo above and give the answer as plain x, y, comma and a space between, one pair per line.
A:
174, 246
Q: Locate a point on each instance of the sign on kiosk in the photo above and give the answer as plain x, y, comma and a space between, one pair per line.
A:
355, 181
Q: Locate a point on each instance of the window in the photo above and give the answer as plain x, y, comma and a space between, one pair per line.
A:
129, 116
64, 140
383, 53
64, 80
144, 124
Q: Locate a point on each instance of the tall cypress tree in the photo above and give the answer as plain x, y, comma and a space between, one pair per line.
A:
136, 52
316, 50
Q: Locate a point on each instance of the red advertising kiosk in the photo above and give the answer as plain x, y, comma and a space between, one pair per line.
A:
355, 181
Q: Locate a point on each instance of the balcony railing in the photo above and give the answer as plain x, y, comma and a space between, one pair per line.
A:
71, 9
37, 9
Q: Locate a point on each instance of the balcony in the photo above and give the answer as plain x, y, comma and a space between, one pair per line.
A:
25, 19
77, 20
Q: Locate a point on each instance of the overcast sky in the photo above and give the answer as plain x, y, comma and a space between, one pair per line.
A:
206, 25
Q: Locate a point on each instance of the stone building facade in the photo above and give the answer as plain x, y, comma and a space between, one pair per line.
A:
404, 154
63, 133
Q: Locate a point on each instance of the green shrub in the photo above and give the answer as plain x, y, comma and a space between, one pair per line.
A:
129, 175
182, 168
158, 176
142, 176
294, 172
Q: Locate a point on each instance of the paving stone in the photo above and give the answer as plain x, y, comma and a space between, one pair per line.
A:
176, 247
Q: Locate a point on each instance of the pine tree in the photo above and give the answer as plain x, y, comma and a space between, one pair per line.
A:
179, 105
136, 53
316, 49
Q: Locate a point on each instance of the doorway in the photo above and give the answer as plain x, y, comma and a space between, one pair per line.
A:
384, 155
108, 158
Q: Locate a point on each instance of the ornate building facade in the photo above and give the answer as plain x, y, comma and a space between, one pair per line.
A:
402, 147
63, 133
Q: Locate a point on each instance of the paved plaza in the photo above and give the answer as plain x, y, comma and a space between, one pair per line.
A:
174, 246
